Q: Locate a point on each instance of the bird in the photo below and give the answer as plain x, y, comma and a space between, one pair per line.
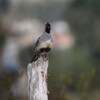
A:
44, 43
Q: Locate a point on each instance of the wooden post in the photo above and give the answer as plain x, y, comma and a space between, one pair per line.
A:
37, 74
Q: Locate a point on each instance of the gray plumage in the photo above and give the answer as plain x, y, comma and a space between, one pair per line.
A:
43, 44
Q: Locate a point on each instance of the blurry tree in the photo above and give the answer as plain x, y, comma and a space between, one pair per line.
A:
4, 5
84, 18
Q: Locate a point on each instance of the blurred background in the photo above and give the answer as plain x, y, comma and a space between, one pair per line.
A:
74, 66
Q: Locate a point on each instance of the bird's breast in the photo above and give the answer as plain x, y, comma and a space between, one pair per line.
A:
48, 42
45, 44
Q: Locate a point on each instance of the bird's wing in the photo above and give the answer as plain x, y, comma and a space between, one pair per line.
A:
37, 44
36, 52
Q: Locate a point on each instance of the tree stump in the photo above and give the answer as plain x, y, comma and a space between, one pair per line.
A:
37, 75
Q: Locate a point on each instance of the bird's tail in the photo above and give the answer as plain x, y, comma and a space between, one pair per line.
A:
35, 57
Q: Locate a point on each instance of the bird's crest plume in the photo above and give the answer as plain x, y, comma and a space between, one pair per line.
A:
47, 27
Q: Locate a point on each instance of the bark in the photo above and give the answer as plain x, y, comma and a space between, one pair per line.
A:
37, 74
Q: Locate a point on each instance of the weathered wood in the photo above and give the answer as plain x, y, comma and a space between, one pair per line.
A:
37, 74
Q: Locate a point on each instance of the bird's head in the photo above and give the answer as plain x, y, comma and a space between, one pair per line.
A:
47, 27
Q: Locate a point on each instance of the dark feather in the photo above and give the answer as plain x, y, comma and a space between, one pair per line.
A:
36, 53
36, 56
